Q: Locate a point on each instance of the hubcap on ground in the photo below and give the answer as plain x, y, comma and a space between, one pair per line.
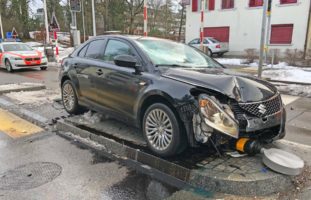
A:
68, 97
159, 129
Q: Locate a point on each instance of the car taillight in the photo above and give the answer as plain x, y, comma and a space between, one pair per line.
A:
218, 46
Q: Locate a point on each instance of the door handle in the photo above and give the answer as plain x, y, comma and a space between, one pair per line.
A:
99, 72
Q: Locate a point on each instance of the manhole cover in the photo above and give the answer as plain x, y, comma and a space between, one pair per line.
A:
28, 176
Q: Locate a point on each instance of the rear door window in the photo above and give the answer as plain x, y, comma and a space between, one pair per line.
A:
95, 50
83, 51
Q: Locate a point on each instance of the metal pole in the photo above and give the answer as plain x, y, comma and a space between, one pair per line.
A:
181, 21
83, 22
93, 16
202, 24
46, 23
2, 36
145, 18
269, 10
262, 40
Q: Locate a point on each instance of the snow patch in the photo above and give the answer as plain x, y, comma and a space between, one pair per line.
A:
34, 97
296, 90
91, 117
292, 74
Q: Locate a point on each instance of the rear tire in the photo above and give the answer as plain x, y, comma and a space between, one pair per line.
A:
43, 68
8, 66
69, 98
162, 131
220, 54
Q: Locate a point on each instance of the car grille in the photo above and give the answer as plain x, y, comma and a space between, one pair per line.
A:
32, 59
263, 108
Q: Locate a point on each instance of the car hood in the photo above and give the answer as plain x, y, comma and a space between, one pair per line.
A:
24, 53
239, 87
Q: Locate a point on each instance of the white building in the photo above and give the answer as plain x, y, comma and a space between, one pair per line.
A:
239, 23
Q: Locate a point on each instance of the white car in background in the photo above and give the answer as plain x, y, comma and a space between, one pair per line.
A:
17, 55
213, 45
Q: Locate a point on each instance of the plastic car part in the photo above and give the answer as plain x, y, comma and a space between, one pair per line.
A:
282, 161
275, 159
202, 132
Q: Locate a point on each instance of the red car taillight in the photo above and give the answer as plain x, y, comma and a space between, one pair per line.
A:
218, 46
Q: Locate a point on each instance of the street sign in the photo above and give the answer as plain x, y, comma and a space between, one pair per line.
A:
54, 25
14, 33
75, 5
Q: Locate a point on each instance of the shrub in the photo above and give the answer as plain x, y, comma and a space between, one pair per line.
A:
293, 55
251, 55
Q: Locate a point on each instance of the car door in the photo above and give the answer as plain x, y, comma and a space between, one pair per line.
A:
195, 43
118, 86
86, 65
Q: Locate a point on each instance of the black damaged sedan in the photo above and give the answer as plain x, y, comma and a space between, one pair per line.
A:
175, 94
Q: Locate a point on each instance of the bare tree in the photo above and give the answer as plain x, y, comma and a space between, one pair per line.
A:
133, 7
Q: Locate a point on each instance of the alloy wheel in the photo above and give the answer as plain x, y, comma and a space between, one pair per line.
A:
68, 96
159, 129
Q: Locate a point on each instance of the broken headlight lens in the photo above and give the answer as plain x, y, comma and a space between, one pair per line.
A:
217, 116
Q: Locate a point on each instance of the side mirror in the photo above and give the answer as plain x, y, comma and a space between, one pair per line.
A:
127, 61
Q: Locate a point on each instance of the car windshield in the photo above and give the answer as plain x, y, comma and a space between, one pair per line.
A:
167, 53
16, 47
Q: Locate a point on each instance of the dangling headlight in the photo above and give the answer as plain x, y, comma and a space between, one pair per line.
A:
221, 119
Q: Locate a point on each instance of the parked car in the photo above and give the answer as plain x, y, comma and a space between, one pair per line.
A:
17, 55
213, 45
177, 95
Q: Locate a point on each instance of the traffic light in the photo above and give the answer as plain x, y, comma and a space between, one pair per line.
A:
75, 5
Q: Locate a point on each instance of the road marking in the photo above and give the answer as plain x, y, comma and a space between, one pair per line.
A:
287, 99
295, 144
15, 126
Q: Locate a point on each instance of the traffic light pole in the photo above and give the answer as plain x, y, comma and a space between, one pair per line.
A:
94, 19
2, 36
269, 11
46, 23
263, 35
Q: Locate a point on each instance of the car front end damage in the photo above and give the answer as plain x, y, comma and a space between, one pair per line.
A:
238, 125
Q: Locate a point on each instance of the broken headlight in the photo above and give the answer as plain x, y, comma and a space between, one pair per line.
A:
218, 116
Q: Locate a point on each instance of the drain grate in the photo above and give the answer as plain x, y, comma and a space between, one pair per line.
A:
29, 176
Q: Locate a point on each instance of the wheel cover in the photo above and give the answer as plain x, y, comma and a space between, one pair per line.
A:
159, 129
68, 96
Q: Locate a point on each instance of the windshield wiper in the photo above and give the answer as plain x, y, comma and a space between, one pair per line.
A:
171, 65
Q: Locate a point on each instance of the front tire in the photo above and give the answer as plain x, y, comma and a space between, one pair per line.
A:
162, 130
8, 66
43, 68
69, 98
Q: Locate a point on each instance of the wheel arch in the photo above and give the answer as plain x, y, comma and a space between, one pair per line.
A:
152, 99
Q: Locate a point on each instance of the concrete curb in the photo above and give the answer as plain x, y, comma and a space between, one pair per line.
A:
23, 87
257, 183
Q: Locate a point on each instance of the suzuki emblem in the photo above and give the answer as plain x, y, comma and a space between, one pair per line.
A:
262, 109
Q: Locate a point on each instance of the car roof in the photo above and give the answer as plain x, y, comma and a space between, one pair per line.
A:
132, 37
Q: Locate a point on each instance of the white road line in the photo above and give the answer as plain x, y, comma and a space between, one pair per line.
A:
295, 144
287, 99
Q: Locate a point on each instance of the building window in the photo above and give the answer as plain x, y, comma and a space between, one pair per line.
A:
219, 33
194, 5
287, 1
281, 34
227, 4
255, 3
210, 5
